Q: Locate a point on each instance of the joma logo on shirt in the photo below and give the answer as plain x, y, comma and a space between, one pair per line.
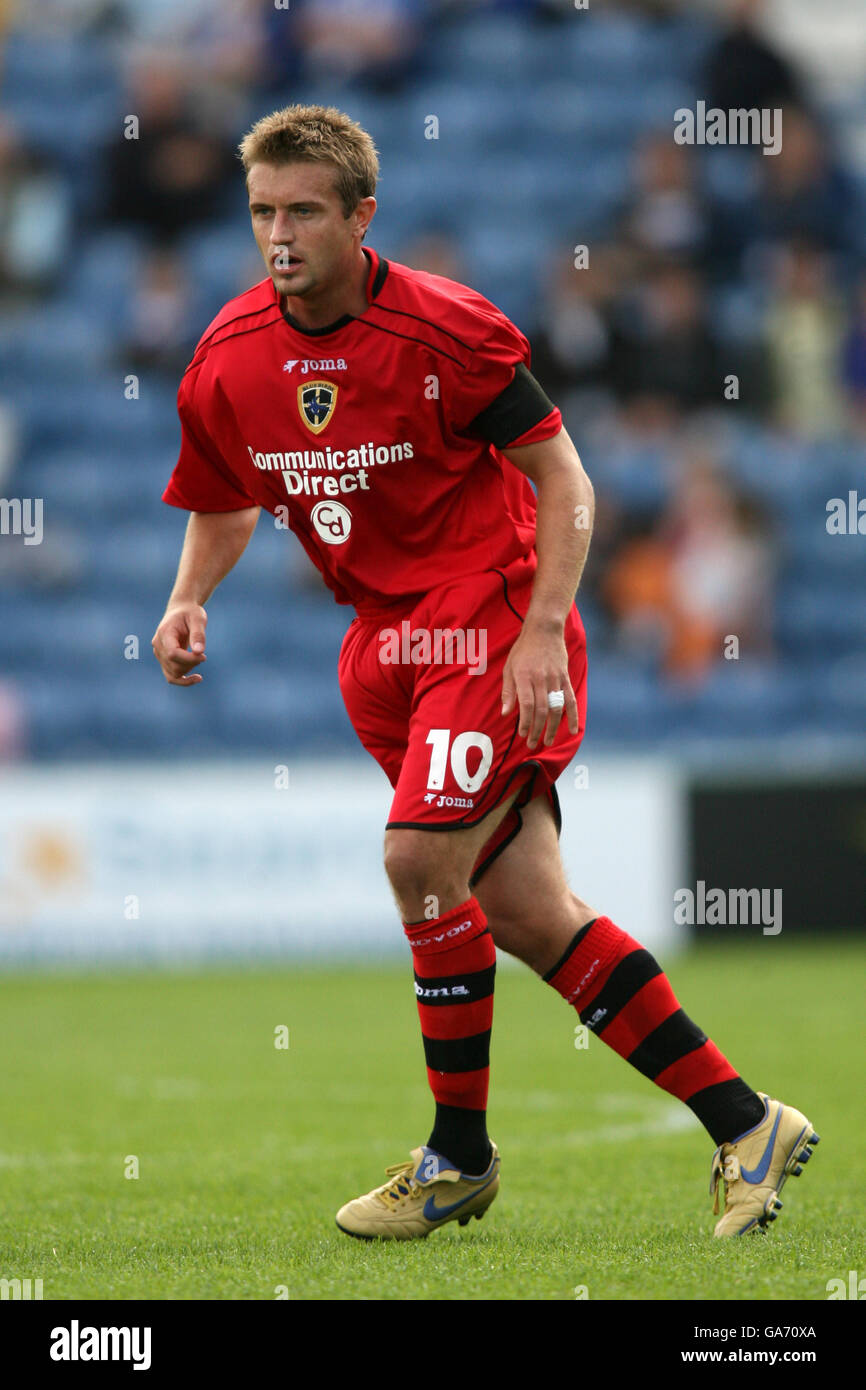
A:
309, 364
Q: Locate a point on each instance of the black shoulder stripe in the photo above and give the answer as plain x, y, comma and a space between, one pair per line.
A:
521, 405
204, 348
404, 313
408, 338
248, 313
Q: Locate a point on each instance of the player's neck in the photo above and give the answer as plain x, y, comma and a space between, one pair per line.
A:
349, 296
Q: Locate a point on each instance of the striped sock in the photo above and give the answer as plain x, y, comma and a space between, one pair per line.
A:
455, 965
623, 996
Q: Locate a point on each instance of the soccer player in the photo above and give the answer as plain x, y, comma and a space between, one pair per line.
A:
391, 417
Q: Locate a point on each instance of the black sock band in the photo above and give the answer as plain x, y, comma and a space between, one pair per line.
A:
461, 1136
727, 1109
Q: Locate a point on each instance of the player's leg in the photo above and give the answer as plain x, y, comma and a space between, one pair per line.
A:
430, 869
454, 961
624, 997
527, 874
455, 1176
462, 757
617, 987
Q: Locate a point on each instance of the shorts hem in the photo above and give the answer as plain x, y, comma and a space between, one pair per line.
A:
463, 823
526, 794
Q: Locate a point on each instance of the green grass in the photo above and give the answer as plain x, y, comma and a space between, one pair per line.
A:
245, 1151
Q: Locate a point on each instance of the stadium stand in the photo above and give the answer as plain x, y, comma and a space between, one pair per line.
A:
540, 118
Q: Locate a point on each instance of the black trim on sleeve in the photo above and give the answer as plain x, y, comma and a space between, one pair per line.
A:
521, 405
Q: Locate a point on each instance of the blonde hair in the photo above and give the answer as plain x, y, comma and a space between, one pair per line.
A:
316, 135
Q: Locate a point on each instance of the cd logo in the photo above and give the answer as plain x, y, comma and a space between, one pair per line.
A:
333, 522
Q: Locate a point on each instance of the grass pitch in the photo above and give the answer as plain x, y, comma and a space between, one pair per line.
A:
244, 1150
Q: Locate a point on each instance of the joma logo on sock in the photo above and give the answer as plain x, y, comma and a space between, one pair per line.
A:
76, 1343
444, 992
738, 907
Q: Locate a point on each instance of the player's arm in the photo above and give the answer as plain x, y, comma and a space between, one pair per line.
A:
213, 544
538, 661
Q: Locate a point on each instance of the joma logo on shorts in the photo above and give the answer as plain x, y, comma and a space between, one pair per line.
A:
443, 993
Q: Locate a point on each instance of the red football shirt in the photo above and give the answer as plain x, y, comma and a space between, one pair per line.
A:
358, 435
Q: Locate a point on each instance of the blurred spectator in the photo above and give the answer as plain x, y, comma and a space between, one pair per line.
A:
636, 588
579, 347
721, 571
34, 219
679, 586
376, 43
804, 329
178, 172
666, 213
743, 70
671, 354
225, 47
162, 330
803, 192
854, 359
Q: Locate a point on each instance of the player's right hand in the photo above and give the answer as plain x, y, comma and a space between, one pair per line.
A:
183, 626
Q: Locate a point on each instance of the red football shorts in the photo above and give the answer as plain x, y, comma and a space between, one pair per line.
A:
423, 689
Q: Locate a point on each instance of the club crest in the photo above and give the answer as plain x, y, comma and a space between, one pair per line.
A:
316, 402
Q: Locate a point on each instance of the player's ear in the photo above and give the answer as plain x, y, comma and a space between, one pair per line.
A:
363, 215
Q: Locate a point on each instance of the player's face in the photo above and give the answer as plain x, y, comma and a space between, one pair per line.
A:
307, 242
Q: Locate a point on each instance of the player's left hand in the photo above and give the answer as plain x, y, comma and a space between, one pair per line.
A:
536, 665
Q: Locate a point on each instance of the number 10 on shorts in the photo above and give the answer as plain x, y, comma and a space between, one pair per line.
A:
462, 745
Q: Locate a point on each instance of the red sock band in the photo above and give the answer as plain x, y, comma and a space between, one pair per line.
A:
577, 977
622, 995
455, 965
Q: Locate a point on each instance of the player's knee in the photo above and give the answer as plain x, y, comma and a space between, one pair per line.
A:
417, 865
